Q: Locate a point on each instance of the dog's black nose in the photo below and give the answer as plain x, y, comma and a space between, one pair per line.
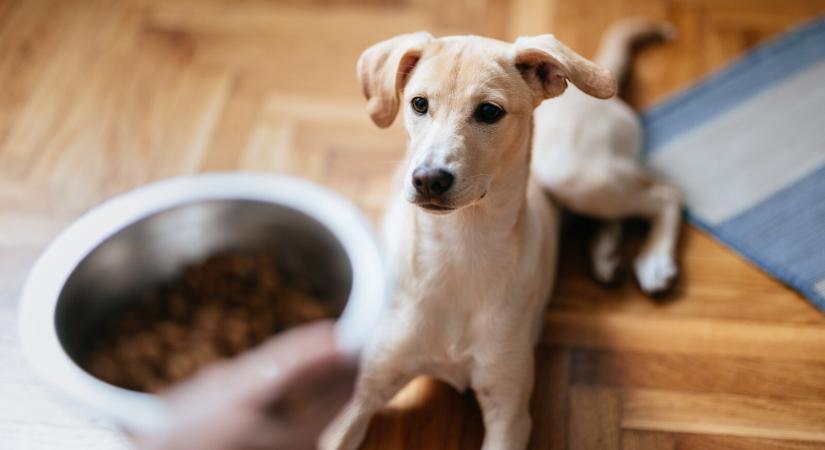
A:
431, 182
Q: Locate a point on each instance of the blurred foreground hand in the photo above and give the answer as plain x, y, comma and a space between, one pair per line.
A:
277, 396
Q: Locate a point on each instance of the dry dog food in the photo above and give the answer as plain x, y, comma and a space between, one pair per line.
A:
214, 310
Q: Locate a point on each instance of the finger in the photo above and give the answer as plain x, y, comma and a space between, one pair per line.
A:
291, 348
297, 415
258, 368
325, 383
264, 371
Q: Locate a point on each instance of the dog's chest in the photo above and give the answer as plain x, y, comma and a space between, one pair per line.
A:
462, 275
450, 299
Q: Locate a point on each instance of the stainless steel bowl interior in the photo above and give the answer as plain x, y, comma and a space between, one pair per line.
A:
155, 249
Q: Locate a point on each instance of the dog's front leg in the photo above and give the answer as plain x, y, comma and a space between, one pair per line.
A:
503, 388
376, 385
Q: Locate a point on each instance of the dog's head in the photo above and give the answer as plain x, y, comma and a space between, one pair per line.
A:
468, 103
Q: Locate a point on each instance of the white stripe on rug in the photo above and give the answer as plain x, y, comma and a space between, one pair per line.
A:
731, 163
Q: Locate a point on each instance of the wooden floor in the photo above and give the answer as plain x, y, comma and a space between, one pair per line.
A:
99, 96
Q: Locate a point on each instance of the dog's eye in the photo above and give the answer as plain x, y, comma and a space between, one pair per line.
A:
419, 105
488, 113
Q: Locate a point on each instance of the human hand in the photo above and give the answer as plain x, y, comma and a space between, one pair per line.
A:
279, 395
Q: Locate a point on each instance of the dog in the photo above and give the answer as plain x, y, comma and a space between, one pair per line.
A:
471, 241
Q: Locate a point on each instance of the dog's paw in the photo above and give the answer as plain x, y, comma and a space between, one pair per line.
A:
605, 266
655, 272
604, 252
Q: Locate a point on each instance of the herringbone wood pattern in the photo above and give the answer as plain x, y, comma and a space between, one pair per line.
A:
100, 96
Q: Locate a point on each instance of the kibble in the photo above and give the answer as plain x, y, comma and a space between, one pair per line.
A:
214, 310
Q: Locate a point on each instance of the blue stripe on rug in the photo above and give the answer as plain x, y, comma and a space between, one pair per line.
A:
789, 227
755, 181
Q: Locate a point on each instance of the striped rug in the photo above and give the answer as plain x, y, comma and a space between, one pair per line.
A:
747, 146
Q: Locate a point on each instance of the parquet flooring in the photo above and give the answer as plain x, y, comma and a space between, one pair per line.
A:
99, 96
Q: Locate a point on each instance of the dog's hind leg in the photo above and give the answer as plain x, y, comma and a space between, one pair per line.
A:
604, 251
626, 190
655, 266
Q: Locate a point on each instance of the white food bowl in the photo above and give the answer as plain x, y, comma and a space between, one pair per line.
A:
147, 236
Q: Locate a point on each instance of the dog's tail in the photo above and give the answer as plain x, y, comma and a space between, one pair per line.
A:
623, 36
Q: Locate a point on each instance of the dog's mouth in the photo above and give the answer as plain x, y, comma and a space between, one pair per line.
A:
435, 208
446, 204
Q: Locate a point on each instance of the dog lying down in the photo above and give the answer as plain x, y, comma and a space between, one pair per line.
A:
472, 239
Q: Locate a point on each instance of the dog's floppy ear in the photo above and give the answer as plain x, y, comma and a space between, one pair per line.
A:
384, 69
546, 65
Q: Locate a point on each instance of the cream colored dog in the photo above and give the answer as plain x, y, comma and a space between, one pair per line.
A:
472, 240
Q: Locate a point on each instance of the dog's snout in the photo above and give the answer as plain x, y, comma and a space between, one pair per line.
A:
431, 181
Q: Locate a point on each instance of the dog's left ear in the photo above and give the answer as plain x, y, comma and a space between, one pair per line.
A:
546, 65
384, 69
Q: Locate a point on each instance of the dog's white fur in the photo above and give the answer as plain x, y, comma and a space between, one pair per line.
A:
586, 155
472, 279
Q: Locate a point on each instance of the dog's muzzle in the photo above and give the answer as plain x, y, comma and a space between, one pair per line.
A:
431, 186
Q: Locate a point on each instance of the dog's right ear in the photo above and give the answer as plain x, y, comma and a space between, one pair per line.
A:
384, 69
546, 65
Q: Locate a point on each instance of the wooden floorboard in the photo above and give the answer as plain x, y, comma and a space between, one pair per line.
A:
97, 97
